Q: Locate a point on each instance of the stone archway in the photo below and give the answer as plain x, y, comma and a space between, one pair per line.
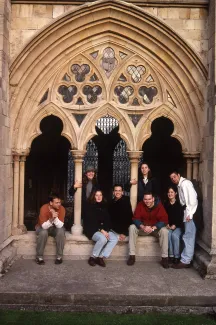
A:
87, 64
163, 153
46, 168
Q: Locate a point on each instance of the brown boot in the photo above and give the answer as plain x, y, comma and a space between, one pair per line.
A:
181, 265
165, 262
92, 261
100, 262
131, 260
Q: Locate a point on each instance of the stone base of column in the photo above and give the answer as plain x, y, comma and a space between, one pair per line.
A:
205, 262
23, 229
19, 230
77, 230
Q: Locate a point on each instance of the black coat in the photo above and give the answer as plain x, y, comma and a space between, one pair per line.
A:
175, 214
95, 218
151, 186
121, 215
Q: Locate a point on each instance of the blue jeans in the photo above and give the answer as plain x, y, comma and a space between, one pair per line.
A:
103, 246
174, 238
189, 242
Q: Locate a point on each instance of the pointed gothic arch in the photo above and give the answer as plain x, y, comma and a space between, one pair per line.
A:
81, 30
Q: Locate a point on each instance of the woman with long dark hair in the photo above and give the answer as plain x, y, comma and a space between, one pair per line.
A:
96, 226
146, 183
175, 224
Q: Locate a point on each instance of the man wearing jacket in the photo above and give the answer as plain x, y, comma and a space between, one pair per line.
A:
50, 223
150, 218
120, 212
188, 200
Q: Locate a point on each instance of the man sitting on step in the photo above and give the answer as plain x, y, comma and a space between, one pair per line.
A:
51, 223
120, 212
150, 218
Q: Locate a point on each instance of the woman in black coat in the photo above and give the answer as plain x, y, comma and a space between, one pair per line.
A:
146, 183
96, 226
175, 224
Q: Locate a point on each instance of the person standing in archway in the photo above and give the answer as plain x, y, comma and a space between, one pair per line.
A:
89, 185
146, 183
189, 202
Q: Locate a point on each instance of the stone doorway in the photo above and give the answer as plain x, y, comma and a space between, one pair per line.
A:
46, 168
163, 153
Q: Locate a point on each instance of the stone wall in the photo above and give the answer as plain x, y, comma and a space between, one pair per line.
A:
209, 148
6, 180
189, 23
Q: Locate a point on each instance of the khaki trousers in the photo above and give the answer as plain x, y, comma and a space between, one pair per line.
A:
162, 234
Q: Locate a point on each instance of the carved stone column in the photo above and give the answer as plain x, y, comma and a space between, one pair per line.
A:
134, 157
15, 230
192, 160
189, 168
78, 155
21, 193
195, 168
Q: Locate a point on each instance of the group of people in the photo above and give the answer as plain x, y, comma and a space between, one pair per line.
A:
107, 223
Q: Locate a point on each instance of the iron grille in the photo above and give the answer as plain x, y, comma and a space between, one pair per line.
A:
121, 165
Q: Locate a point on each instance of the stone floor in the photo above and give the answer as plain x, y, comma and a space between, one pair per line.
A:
74, 285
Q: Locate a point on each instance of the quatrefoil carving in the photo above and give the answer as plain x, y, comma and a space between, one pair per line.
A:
136, 72
80, 71
148, 94
92, 93
123, 93
67, 93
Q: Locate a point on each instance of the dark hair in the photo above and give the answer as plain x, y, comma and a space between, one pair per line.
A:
53, 196
148, 193
85, 179
172, 188
91, 199
149, 172
174, 171
118, 185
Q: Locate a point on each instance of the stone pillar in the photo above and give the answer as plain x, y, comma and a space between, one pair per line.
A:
195, 168
189, 168
78, 156
134, 157
205, 254
22, 227
6, 169
15, 222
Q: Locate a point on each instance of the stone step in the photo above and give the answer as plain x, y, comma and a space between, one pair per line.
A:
79, 247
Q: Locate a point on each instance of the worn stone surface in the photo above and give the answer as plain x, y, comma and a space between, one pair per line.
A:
78, 284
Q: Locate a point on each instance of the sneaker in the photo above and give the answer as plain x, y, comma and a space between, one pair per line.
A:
40, 260
100, 262
131, 260
58, 260
92, 261
165, 262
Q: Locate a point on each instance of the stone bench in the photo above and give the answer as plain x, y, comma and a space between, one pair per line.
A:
80, 247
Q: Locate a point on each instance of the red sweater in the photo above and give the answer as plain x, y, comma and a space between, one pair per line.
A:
150, 217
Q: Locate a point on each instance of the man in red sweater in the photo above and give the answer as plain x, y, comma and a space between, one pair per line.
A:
51, 223
150, 218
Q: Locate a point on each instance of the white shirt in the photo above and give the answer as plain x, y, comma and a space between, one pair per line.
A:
188, 197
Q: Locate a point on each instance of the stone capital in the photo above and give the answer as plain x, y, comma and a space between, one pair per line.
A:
191, 155
78, 155
134, 156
